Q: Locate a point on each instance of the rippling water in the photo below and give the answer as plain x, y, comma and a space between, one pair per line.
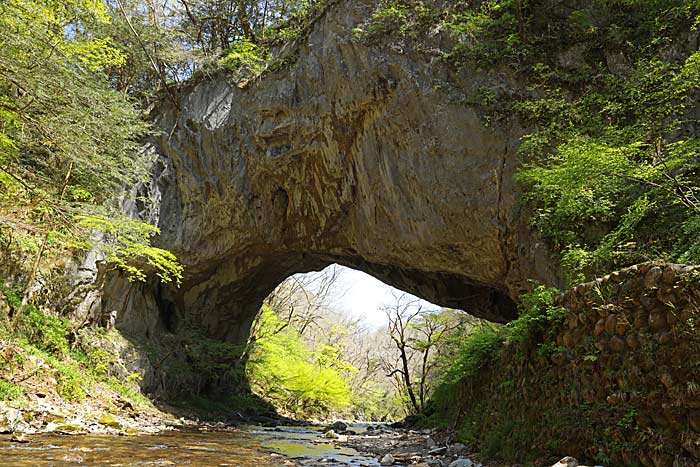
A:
248, 447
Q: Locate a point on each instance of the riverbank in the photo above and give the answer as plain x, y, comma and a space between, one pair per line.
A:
56, 392
424, 448
102, 412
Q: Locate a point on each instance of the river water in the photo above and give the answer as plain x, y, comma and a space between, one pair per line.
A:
241, 447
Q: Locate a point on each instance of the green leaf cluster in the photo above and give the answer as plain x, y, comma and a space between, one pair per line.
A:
126, 243
10, 391
245, 58
613, 175
68, 140
539, 317
293, 378
397, 18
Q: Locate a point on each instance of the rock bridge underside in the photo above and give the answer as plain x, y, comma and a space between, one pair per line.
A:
357, 154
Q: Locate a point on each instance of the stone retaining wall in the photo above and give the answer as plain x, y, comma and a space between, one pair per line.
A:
619, 384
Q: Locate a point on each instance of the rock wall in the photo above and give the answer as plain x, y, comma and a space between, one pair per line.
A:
618, 385
355, 153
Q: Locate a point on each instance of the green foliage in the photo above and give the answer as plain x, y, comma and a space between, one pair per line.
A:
47, 333
72, 380
69, 129
127, 242
213, 362
247, 54
281, 370
687, 247
123, 389
328, 356
539, 317
158, 39
68, 140
485, 34
75, 365
245, 58
534, 329
10, 391
72, 384
295, 21
476, 351
608, 88
47, 337
397, 18
610, 168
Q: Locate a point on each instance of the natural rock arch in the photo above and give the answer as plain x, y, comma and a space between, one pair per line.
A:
362, 155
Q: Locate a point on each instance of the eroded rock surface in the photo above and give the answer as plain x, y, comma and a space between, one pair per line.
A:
358, 154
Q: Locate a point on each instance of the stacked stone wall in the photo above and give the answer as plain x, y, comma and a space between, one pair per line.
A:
617, 384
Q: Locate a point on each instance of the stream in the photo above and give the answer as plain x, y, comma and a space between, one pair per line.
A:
240, 447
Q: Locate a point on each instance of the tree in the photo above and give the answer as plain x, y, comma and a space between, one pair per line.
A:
67, 140
431, 331
295, 379
420, 337
155, 49
215, 25
400, 315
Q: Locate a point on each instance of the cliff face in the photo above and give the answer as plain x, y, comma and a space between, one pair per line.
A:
358, 154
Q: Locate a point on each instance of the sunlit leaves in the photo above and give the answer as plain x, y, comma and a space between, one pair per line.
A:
611, 169
68, 141
126, 244
96, 54
292, 377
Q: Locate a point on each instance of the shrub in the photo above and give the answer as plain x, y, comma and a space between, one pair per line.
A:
245, 58
539, 318
10, 391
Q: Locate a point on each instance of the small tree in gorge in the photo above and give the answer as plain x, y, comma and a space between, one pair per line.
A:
400, 314
417, 333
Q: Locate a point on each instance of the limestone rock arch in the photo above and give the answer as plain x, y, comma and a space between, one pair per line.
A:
360, 154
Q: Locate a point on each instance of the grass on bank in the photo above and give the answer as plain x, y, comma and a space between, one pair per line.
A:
57, 346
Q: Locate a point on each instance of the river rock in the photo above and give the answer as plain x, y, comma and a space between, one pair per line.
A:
19, 438
463, 462
388, 459
456, 448
338, 427
10, 418
110, 421
567, 461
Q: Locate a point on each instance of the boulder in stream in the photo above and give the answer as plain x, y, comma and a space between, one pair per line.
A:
462, 463
338, 427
